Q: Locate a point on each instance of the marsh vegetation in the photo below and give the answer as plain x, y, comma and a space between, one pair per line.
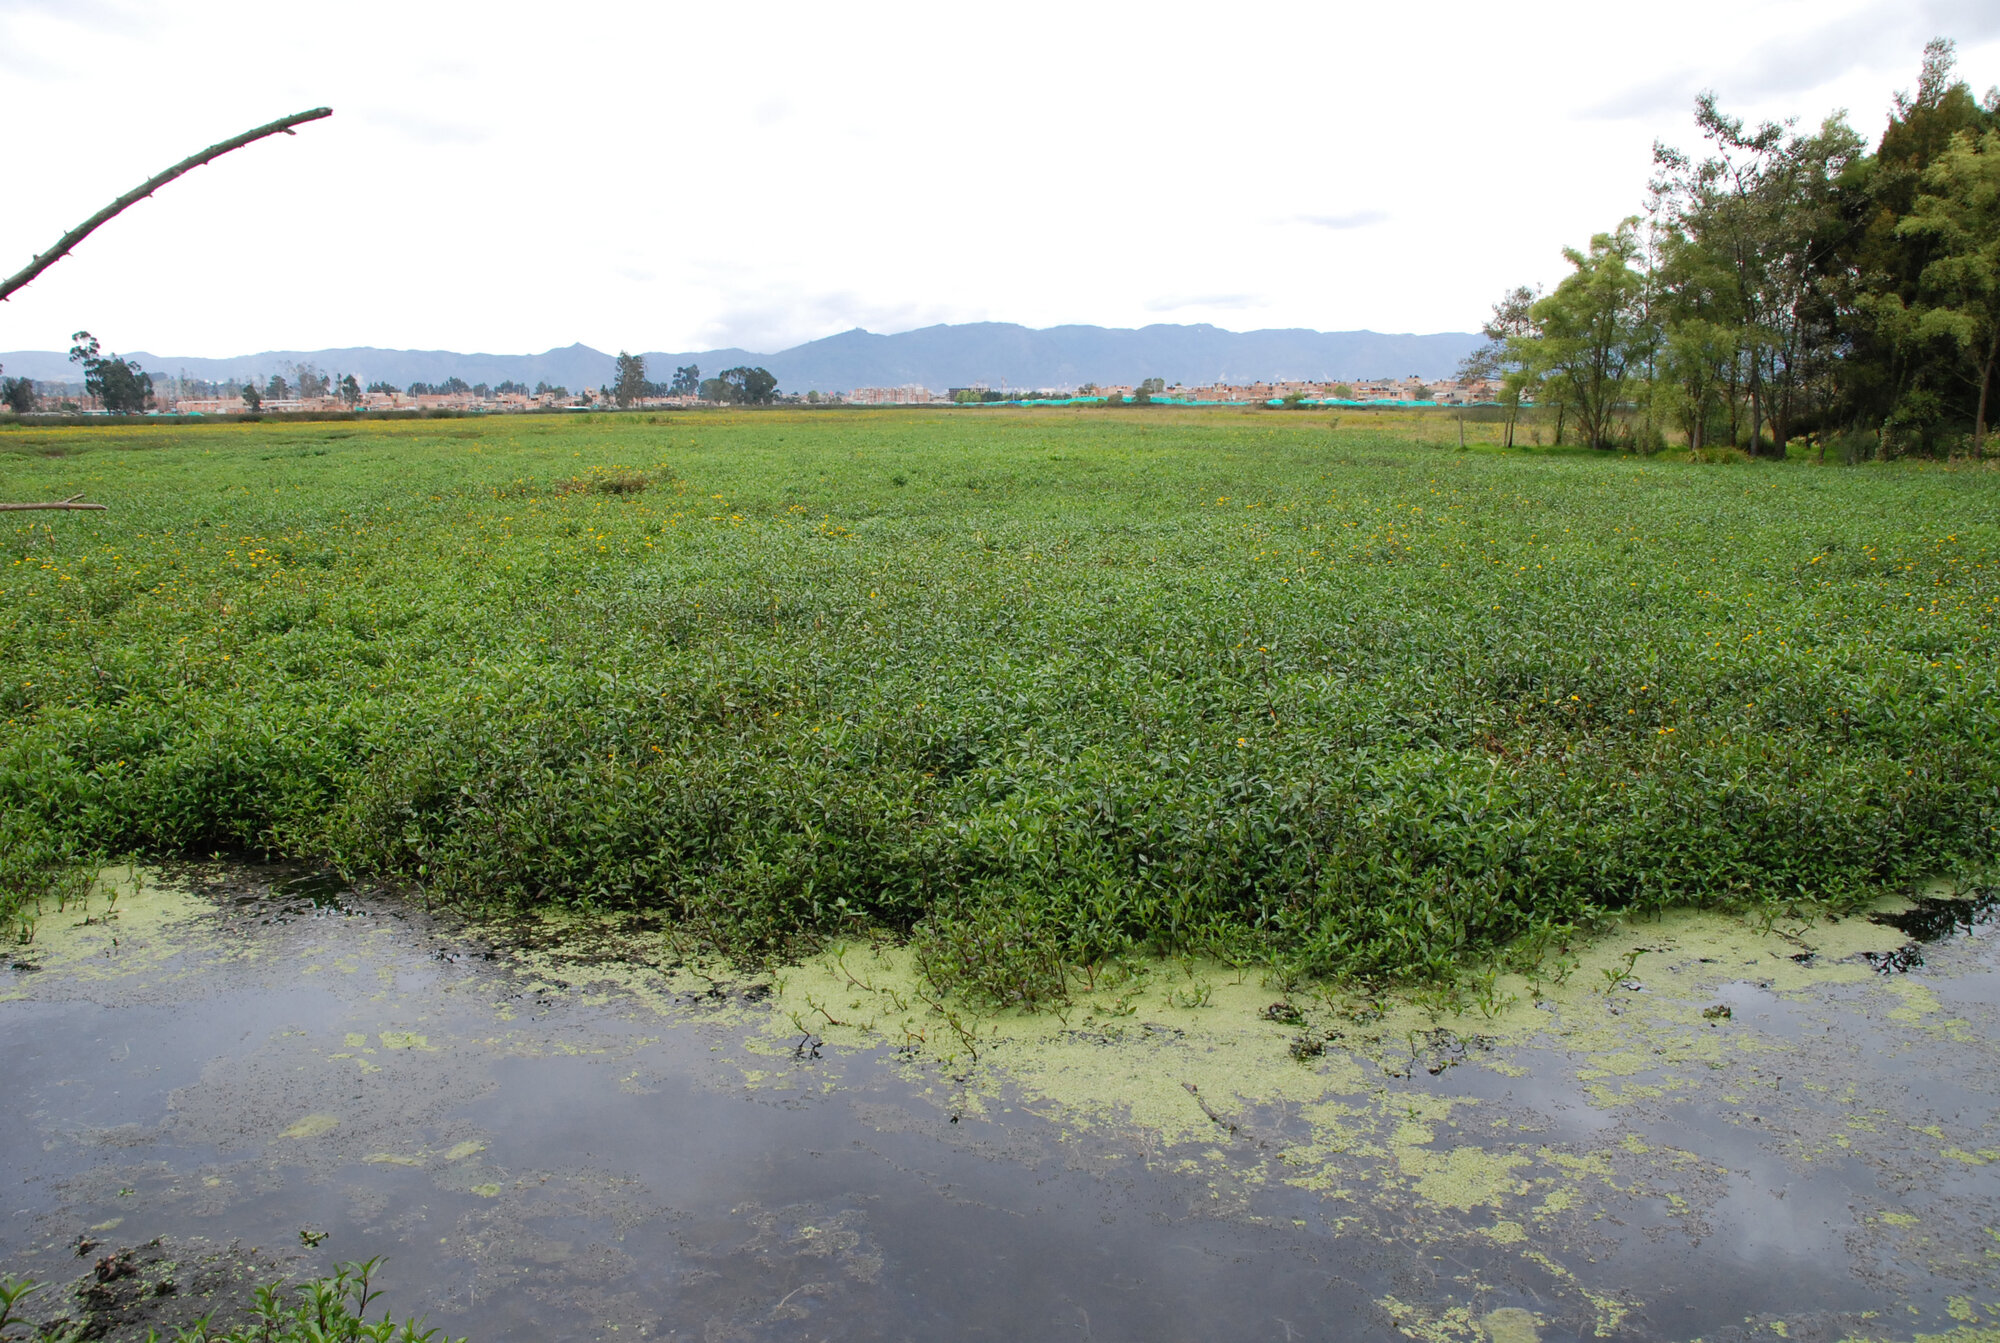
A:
1036, 691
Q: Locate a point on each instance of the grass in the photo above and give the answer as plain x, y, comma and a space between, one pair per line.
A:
1041, 690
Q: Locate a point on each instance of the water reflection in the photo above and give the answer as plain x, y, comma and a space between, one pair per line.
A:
542, 1162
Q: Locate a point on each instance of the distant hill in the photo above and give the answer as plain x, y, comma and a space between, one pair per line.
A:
997, 352
573, 366
994, 353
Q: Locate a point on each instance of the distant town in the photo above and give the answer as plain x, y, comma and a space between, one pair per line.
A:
305, 389
1407, 391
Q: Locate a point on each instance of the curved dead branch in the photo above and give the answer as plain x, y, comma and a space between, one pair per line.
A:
140, 192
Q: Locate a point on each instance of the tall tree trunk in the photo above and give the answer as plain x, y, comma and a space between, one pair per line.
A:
1985, 381
1781, 408
1732, 403
1756, 406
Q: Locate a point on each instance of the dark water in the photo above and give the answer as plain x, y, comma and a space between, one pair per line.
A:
541, 1162
1930, 920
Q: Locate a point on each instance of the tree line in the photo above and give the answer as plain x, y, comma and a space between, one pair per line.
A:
1782, 285
740, 386
122, 387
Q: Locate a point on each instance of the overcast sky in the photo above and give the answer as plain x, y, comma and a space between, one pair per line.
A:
507, 177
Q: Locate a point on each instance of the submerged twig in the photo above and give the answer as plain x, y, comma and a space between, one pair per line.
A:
1220, 1122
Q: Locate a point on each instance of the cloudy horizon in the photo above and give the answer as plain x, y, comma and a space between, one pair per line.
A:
665, 178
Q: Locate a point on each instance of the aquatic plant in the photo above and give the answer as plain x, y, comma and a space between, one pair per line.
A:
325, 1310
12, 1292
1081, 688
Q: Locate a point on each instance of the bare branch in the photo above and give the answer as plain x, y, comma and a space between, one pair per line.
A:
69, 503
147, 188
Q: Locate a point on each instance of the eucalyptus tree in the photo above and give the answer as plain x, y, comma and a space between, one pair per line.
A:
1711, 207
1810, 227
120, 385
749, 386
17, 394
1756, 227
311, 382
629, 383
1700, 324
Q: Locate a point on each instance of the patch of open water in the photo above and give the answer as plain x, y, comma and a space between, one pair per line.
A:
542, 1159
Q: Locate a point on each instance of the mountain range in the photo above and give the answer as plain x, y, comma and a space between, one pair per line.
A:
961, 355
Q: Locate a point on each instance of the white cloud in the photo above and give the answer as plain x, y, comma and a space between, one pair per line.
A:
424, 130
1351, 220
1655, 99
780, 321
1225, 302
631, 174
1884, 37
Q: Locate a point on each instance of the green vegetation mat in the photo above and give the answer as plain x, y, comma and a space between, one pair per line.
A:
1042, 688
